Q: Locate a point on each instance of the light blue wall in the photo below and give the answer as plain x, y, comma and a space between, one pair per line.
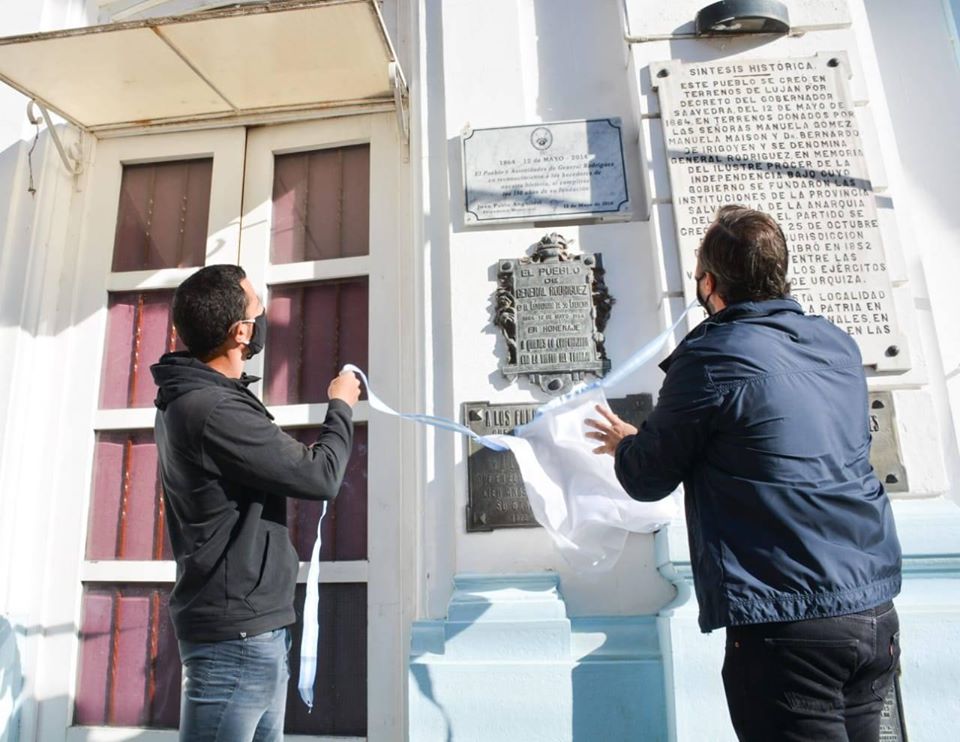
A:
929, 609
507, 664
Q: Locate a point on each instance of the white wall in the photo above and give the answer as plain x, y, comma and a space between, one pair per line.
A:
920, 66
525, 61
34, 235
819, 26
505, 63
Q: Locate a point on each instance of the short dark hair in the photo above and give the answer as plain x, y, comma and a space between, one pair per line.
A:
746, 252
207, 305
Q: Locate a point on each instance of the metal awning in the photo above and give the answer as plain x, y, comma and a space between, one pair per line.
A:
229, 64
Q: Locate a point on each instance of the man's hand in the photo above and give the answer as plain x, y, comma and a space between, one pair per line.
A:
610, 431
345, 387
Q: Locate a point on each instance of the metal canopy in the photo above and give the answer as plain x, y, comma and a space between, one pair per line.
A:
222, 64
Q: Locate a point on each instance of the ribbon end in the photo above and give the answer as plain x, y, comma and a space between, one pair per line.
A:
306, 695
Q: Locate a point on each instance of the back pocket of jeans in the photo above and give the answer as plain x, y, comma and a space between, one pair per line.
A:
799, 660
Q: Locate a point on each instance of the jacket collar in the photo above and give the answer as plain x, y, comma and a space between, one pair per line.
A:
180, 372
754, 309
731, 313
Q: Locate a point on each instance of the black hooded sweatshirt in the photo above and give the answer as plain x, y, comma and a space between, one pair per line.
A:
227, 470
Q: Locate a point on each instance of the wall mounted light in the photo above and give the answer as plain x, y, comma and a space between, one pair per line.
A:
734, 17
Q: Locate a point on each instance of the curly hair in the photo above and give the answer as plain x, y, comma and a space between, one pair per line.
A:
746, 252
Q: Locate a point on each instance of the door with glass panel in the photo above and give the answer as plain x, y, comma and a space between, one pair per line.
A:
318, 241
160, 208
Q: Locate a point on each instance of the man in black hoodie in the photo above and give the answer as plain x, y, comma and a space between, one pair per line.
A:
227, 470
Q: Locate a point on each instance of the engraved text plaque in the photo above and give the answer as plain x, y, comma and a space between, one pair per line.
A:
781, 136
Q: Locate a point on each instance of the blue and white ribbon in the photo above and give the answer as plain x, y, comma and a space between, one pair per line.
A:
572, 492
438, 422
309, 640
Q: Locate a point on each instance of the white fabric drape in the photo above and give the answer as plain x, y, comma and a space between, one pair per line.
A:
573, 492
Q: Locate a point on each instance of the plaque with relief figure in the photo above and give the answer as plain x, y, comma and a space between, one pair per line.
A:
552, 308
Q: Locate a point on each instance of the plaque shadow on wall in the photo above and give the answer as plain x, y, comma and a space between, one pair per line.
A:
495, 378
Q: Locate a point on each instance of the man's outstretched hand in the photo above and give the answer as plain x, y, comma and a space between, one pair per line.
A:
345, 387
609, 431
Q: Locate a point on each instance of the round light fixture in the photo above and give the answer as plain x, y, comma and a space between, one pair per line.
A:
743, 17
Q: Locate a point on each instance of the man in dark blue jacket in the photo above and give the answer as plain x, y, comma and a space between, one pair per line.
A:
763, 418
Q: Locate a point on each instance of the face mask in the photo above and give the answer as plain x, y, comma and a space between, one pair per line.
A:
703, 299
259, 334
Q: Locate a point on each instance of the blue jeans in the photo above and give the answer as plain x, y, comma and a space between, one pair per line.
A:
822, 679
235, 690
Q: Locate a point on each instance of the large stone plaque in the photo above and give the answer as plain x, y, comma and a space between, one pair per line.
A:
885, 448
780, 135
545, 172
496, 497
552, 308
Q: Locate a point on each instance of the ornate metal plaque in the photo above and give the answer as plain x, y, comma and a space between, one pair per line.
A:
783, 136
885, 449
496, 497
552, 308
545, 172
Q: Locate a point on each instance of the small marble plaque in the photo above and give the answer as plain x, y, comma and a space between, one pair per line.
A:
545, 172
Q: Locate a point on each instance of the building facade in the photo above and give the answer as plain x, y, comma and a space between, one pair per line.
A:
321, 146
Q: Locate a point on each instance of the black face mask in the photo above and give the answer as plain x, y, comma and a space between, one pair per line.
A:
703, 299
259, 334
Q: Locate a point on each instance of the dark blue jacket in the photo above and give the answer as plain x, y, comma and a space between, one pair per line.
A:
763, 417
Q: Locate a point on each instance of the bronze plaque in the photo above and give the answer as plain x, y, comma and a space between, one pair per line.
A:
496, 497
552, 308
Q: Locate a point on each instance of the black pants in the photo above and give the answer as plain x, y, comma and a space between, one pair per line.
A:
820, 680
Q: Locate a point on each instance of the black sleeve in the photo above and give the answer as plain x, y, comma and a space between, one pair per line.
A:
240, 444
671, 440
